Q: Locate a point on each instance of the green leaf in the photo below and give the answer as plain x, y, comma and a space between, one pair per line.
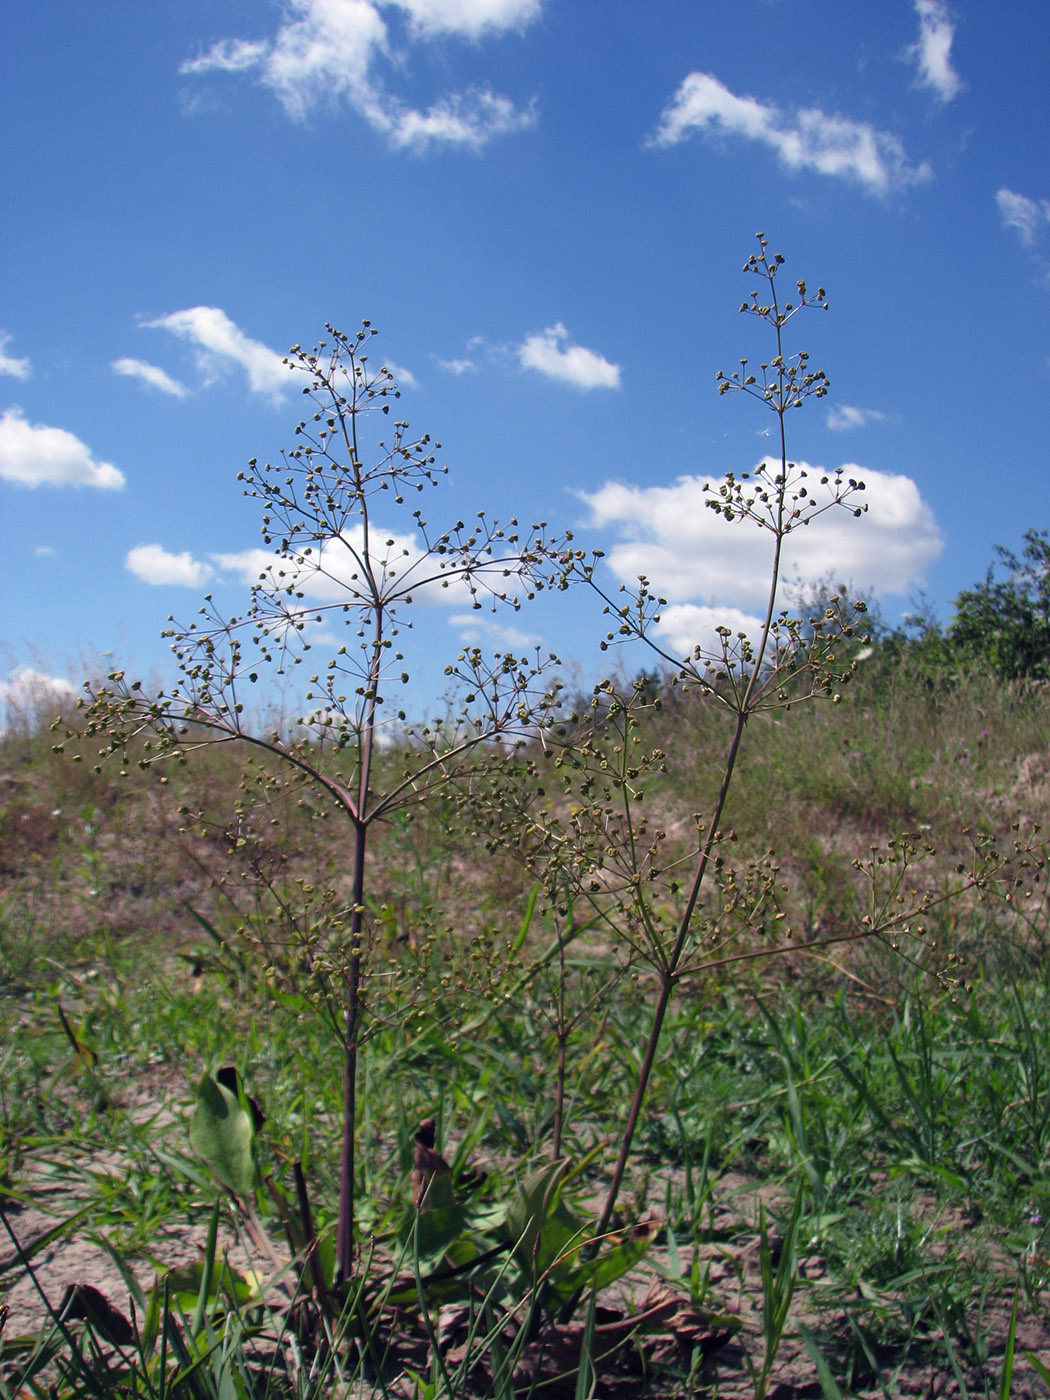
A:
221, 1132
610, 1264
539, 1226
431, 1232
195, 1286
828, 1384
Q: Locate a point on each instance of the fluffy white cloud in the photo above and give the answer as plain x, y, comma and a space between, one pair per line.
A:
30, 695
933, 50
220, 342
845, 416
470, 18
705, 566
154, 564
684, 626
458, 366
1029, 217
149, 374
553, 355
333, 571
10, 364
808, 139
35, 455
328, 49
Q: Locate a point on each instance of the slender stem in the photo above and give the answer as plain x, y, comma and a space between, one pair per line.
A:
670, 971
668, 981
562, 1031
345, 1229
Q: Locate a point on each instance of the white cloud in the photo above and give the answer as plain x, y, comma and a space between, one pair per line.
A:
1029, 217
475, 629
684, 626
32, 695
933, 51
706, 566
404, 377
33, 454
154, 564
332, 573
470, 18
9, 364
462, 119
221, 342
44, 551
845, 416
228, 56
327, 50
553, 355
458, 366
150, 374
810, 139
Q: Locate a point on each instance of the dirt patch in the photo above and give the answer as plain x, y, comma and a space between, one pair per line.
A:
722, 1364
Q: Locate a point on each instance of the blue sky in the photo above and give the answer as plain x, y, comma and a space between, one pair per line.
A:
544, 206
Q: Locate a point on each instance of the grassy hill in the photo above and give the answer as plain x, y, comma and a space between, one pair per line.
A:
873, 1111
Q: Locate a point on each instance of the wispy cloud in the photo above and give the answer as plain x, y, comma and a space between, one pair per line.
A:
1029, 217
932, 52
9, 364
221, 343
808, 139
154, 564
845, 416
229, 56
469, 119
149, 374
404, 377
457, 366
478, 630
554, 355
328, 50
704, 567
33, 454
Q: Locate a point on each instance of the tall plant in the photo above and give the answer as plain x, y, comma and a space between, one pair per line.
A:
600, 844
687, 912
329, 510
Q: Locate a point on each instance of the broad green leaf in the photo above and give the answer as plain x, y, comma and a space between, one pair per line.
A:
536, 1204
430, 1233
221, 1132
